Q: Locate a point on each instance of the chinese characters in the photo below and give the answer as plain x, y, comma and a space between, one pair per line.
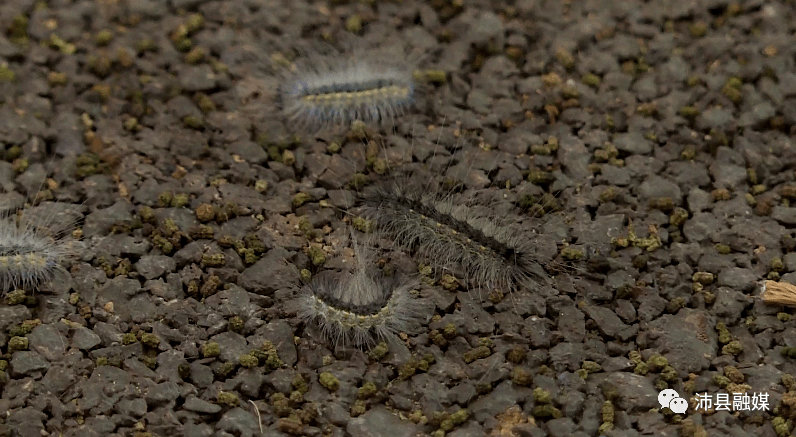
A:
736, 402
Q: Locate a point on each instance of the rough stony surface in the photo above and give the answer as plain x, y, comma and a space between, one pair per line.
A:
647, 145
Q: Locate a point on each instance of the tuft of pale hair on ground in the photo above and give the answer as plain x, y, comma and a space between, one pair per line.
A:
778, 293
511, 419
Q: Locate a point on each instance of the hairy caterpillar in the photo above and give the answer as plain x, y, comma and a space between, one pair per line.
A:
34, 241
370, 85
358, 307
491, 253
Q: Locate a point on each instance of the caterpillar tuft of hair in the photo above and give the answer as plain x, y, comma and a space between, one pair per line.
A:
449, 235
369, 85
359, 307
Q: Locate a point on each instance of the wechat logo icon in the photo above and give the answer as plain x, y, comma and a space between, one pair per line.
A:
670, 398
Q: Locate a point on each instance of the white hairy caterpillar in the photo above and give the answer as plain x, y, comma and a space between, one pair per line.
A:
358, 307
373, 85
34, 241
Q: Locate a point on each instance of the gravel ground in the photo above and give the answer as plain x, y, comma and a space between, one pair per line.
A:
661, 130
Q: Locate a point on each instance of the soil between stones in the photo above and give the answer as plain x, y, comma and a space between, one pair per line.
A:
662, 132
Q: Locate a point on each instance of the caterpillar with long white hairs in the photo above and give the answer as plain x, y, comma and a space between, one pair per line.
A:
361, 306
373, 86
34, 241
